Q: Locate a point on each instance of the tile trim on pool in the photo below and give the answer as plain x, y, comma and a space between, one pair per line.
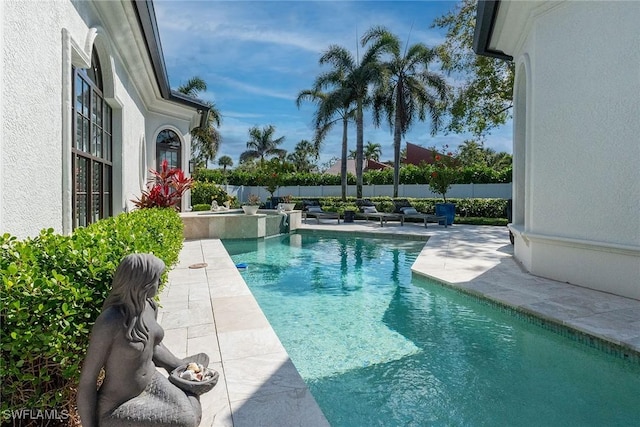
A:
617, 350
363, 234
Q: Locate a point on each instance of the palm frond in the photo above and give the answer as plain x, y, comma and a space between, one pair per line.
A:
193, 86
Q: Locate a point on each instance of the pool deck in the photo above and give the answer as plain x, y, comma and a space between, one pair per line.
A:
212, 310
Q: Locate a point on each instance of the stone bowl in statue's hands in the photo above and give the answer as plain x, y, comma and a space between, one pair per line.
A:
196, 386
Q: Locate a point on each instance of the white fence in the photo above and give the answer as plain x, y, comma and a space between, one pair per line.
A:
462, 191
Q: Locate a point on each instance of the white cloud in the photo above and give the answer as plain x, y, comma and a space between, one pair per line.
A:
257, 55
249, 88
241, 115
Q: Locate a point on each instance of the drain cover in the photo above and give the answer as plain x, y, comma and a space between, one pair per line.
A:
199, 265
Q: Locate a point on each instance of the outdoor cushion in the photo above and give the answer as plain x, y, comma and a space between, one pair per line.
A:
370, 209
314, 209
409, 211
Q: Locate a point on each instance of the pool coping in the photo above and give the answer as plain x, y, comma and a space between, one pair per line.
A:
556, 326
257, 377
601, 320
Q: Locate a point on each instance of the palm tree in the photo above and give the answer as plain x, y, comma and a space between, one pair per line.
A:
470, 153
301, 154
351, 78
333, 107
499, 161
372, 151
225, 162
205, 141
261, 144
409, 89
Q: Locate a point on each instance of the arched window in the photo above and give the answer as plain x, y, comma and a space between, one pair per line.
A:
168, 148
92, 147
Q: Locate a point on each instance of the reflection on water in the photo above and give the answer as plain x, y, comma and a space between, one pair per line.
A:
378, 347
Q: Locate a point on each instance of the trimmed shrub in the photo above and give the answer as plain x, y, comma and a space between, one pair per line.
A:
201, 207
209, 175
485, 208
409, 174
206, 192
53, 287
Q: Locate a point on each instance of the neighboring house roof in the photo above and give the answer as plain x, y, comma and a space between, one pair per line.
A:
147, 18
351, 166
375, 165
485, 20
335, 168
417, 154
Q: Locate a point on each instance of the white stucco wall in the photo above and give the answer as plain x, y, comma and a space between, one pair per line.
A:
37, 59
582, 144
586, 127
31, 131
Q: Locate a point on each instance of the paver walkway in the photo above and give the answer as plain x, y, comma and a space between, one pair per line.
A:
212, 310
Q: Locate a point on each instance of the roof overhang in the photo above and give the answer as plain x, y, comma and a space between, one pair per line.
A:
486, 15
149, 26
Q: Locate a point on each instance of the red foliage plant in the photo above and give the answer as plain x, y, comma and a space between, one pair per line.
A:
165, 189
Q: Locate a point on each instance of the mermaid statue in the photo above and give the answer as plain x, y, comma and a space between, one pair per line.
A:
126, 341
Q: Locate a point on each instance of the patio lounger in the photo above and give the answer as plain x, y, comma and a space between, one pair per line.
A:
317, 213
383, 217
414, 214
404, 208
369, 211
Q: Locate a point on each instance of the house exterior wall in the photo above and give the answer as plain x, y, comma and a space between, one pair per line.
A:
31, 132
577, 131
36, 176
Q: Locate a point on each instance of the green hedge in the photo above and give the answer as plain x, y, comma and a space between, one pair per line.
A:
485, 208
204, 192
53, 287
201, 207
409, 174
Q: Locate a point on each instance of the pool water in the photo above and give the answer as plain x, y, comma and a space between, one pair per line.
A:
378, 347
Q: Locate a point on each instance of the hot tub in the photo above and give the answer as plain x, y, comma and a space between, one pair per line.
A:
235, 224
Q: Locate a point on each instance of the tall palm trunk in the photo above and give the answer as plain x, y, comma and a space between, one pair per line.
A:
397, 141
343, 160
397, 137
359, 148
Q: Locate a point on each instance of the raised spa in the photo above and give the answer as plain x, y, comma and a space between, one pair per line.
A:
235, 224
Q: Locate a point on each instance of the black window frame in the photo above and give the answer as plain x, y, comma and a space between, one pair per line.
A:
92, 147
168, 141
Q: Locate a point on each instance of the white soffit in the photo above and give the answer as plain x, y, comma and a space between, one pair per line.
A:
121, 21
513, 22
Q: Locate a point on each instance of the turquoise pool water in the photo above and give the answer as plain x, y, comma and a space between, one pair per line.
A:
378, 347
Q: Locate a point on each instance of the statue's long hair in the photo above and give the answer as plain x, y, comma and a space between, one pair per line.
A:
136, 275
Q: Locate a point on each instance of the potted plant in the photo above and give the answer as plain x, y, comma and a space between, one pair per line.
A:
349, 213
252, 205
443, 173
287, 202
271, 183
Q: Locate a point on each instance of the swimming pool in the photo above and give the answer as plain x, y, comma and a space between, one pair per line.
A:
377, 346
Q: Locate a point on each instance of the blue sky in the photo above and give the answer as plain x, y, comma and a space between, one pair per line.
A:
256, 56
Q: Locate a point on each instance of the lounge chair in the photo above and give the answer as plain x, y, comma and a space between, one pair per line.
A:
368, 211
404, 208
314, 210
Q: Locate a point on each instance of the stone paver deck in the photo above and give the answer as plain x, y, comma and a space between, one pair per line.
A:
212, 310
